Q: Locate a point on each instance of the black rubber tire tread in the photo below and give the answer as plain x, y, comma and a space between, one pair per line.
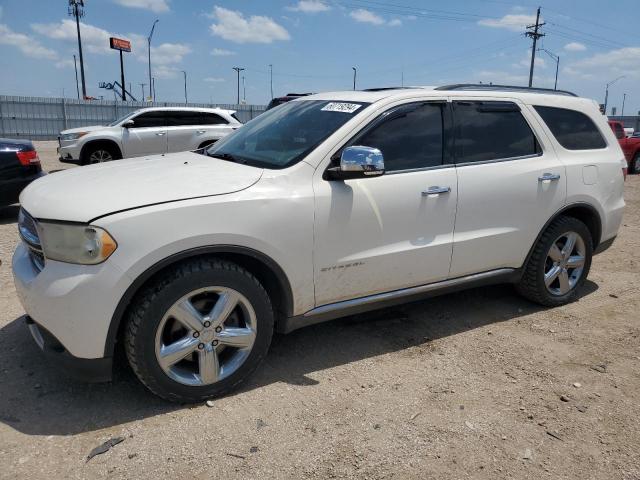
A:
634, 162
138, 314
115, 154
531, 285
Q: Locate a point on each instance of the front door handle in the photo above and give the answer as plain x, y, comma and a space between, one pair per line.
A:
435, 190
159, 134
201, 132
549, 177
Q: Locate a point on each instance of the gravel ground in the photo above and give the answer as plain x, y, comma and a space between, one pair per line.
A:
479, 384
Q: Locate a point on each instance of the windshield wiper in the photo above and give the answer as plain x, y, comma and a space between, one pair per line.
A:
227, 156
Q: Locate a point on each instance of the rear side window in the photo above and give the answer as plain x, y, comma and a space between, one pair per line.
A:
410, 137
573, 130
212, 119
486, 131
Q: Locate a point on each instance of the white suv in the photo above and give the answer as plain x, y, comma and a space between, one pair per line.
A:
147, 131
325, 206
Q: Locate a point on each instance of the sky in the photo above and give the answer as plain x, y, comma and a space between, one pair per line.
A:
313, 46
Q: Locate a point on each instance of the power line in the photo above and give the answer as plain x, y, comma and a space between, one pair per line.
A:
533, 33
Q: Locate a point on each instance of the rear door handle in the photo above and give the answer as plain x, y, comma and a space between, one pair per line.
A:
549, 177
201, 131
159, 134
435, 190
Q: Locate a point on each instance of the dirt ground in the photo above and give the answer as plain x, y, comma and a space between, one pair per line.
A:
468, 385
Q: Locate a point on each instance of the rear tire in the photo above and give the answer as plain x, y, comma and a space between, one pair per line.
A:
220, 352
635, 164
559, 264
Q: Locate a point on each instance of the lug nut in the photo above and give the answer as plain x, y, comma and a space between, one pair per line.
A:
218, 329
196, 334
207, 324
215, 342
201, 346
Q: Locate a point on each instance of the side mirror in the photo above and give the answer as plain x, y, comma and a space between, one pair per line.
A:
357, 162
128, 124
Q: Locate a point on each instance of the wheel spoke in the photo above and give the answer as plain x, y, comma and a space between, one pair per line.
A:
569, 245
176, 351
551, 275
576, 261
237, 337
555, 254
563, 279
208, 363
223, 307
187, 314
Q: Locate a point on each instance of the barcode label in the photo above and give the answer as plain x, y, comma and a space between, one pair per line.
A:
341, 107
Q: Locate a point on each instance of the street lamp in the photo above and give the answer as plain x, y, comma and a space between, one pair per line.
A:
355, 72
149, 52
238, 70
557, 59
624, 99
185, 87
606, 91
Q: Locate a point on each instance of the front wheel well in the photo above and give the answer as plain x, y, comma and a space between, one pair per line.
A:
86, 149
269, 274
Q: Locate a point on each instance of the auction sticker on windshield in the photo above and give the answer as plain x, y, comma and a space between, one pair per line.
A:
341, 107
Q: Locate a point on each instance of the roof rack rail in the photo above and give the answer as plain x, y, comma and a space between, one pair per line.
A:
507, 88
382, 89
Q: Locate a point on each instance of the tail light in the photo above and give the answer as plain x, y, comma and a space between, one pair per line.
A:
29, 157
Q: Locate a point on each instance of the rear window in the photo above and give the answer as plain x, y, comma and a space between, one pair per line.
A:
573, 130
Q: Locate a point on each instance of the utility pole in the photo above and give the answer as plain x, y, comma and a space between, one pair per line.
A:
153, 88
142, 85
238, 70
355, 72
535, 35
149, 52
186, 101
606, 92
557, 59
244, 91
624, 99
76, 9
271, 77
75, 65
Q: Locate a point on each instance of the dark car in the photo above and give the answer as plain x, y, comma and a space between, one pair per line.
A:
287, 98
19, 166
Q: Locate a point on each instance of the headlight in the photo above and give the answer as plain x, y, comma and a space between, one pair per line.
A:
71, 243
72, 136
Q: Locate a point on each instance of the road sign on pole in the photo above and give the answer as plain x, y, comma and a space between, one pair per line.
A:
123, 46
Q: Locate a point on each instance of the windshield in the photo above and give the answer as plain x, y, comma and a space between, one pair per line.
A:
121, 119
284, 135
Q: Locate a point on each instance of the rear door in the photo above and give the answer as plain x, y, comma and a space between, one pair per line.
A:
510, 182
147, 135
188, 130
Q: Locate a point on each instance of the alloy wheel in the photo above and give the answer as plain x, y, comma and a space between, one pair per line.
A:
205, 336
564, 264
99, 156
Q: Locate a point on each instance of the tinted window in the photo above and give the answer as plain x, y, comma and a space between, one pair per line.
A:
411, 137
283, 136
573, 130
212, 119
149, 119
491, 131
618, 130
181, 119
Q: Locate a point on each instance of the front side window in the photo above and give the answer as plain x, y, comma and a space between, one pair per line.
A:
150, 119
410, 137
486, 131
283, 136
573, 130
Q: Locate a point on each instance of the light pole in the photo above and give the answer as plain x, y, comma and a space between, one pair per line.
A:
149, 52
606, 92
142, 86
557, 59
271, 79
76, 9
355, 72
238, 70
186, 101
624, 99
75, 65
244, 91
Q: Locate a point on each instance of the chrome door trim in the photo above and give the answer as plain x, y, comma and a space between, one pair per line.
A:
405, 292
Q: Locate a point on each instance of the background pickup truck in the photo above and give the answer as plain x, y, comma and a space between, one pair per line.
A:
630, 146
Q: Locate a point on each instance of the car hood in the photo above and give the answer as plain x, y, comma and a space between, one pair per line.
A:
85, 193
90, 128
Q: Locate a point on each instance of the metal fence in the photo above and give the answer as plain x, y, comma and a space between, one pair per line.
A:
41, 118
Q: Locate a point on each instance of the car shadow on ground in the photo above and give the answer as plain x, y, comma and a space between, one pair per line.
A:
9, 214
37, 399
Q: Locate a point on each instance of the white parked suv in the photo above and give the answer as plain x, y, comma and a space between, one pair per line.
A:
147, 131
328, 205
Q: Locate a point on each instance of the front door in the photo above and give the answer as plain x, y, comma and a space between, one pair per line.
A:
380, 234
510, 182
147, 135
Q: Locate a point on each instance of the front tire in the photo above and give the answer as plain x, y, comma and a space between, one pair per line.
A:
100, 154
635, 164
559, 264
199, 330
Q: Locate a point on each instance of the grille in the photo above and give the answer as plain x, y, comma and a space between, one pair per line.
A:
29, 235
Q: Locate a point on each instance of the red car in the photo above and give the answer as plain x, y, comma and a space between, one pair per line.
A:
630, 146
